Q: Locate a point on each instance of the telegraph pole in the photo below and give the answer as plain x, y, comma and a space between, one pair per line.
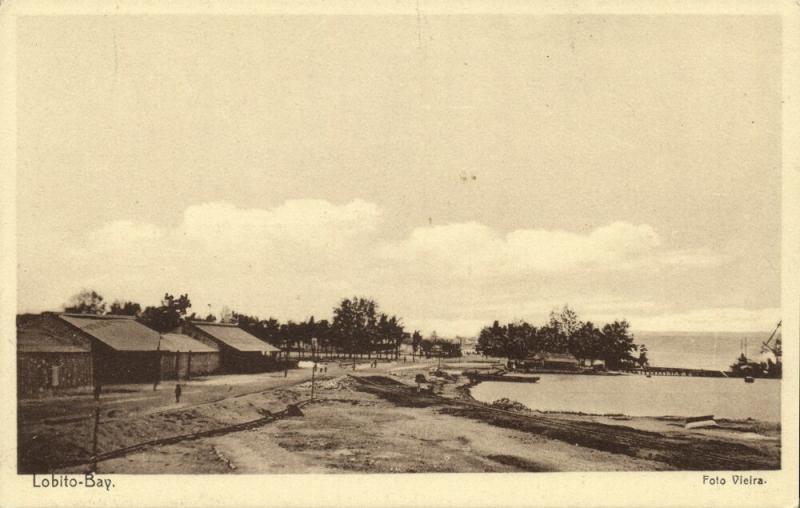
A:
314, 364
158, 364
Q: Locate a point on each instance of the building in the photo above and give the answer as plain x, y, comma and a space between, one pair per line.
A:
555, 361
124, 350
183, 357
57, 351
51, 356
240, 351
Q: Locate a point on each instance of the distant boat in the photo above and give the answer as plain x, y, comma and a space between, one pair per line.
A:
749, 379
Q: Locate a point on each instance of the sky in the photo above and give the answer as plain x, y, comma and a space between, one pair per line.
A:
458, 169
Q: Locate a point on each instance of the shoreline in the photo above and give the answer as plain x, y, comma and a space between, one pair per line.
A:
374, 421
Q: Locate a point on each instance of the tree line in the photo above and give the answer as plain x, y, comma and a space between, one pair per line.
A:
357, 327
612, 343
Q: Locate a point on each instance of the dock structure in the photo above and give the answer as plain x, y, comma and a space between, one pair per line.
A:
675, 371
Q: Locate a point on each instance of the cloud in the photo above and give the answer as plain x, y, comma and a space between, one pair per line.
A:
311, 222
472, 249
301, 257
252, 259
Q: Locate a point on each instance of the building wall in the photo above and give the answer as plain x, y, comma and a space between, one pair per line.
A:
174, 365
116, 367
35, 373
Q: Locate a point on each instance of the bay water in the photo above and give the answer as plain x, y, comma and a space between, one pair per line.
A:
637, 395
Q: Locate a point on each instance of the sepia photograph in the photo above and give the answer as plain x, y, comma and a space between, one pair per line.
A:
318, 243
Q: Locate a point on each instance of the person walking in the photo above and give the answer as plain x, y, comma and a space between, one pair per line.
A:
178, 391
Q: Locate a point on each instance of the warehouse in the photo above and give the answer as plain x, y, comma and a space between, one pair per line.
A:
183, 357
124, 350
51, 356
241, 352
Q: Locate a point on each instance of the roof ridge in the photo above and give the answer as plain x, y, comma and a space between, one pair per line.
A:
212, 323
96, 316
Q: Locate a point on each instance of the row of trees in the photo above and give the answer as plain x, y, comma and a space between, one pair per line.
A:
164, 318
437, 346
564, 333
357, 327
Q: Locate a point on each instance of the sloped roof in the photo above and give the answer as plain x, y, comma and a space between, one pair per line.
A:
178, 342
36, 339
122, 333
234, 337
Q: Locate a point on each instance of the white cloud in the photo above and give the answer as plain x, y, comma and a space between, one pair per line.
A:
472, 249
313, 222
301, 257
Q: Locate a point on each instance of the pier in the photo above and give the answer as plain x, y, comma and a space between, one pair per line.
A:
675, 371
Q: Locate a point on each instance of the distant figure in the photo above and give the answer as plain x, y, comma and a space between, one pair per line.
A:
177, 392
97, 390
404, 359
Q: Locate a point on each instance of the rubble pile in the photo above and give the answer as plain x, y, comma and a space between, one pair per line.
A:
337, 383
509, 405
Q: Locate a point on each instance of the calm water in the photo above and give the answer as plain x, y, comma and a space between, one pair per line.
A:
635, 395
700, 350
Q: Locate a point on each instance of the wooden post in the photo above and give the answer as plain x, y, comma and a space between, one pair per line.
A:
94, 435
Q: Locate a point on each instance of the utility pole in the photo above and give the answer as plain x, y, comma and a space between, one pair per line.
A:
314, 364
97, 390
158, 364
286, 358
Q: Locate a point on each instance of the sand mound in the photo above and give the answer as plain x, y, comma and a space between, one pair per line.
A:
509, 405
337, 383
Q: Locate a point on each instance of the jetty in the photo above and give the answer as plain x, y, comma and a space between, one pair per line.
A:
675, 371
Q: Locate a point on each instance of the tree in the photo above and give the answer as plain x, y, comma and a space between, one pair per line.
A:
643, 360
493, 341
354, 324
390, 333
566, 325
86, 302
120, 308
169, 315
617, 345
587, 343
210, 318
518, 340
416, 342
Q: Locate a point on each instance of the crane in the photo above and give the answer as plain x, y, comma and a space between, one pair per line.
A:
773, 347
